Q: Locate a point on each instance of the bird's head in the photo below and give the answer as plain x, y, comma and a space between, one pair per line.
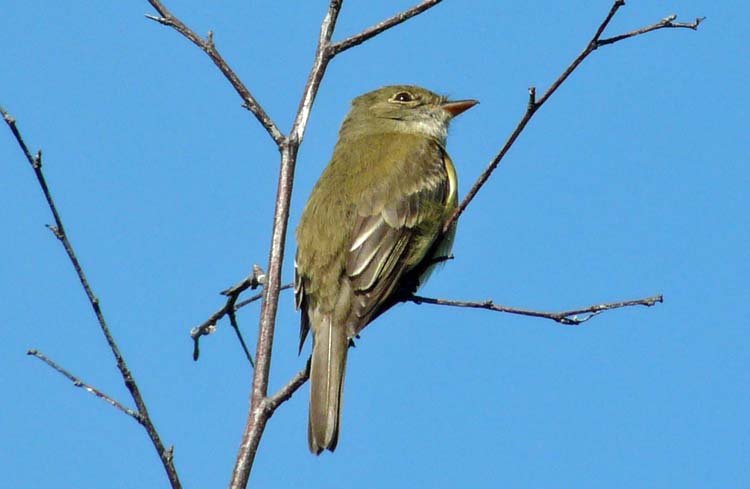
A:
406, 109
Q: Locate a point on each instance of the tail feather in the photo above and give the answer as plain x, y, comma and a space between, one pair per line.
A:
330, 344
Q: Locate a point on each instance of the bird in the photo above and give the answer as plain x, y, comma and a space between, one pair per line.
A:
371, 231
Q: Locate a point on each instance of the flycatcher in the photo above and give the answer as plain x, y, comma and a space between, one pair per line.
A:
371, 231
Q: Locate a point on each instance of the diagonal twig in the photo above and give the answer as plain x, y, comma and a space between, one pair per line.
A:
256, 278
285, 393
58, 229
535, 104
373, 31
249, 101
83, 385
208, 326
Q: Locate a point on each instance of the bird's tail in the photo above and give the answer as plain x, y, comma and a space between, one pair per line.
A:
330, 344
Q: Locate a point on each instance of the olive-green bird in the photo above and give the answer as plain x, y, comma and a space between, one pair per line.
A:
371, 230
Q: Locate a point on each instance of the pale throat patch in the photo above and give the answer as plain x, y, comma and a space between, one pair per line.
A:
431, 127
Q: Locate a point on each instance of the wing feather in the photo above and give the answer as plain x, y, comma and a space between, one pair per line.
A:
389, 239
385, 227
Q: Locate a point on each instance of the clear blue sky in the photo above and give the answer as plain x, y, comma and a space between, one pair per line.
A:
632, 181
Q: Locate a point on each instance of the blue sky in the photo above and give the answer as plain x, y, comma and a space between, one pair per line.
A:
633, 180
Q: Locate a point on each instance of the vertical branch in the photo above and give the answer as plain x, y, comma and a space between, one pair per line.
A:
260, 408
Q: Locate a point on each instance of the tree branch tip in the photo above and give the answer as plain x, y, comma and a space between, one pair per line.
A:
670, 22
196, 348
259, 275
532, 98
157, 18
256, 278
55, 230
203, 330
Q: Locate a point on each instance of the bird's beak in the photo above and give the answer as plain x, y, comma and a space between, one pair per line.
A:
456, 107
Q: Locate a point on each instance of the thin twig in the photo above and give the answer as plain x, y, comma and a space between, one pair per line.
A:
563, 317
249, 101
237, 332
59, 231
256, 278
535, 104
285, 393
666, 23
208, 326
83, 385
373, 31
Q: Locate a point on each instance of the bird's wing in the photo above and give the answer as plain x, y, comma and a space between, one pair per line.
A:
394, 231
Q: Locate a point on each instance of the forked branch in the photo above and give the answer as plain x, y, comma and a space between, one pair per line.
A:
58, 229
534, 103
249, 101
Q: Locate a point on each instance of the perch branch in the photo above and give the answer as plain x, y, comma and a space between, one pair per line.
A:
564, 317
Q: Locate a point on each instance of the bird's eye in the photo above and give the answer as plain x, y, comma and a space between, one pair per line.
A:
403, 97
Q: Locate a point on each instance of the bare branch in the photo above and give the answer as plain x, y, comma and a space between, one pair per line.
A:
535, 104
256, 278
258, 416
373, 31
79, 383
248, 100
563, 317
208, 326
59, 231
285, 393
666, 23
